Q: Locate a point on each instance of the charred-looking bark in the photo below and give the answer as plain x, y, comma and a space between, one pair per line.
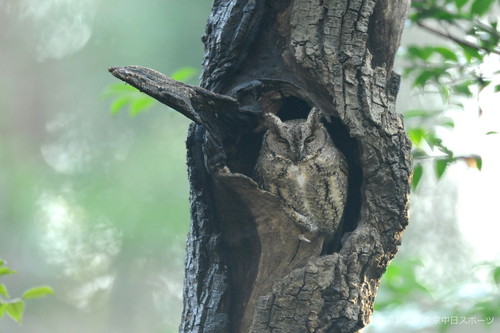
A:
246, 269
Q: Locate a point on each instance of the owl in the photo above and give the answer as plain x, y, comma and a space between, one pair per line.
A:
299, 163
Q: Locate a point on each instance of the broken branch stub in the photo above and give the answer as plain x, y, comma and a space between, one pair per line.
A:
213, 111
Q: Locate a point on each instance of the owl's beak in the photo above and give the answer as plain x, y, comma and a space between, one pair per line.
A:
297, 155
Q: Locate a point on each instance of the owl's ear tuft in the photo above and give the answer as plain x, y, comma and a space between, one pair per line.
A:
272, 122
314, 116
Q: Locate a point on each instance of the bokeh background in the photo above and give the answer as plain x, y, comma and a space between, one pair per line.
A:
95, 203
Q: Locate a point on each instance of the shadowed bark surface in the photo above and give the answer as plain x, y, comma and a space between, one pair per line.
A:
246, 270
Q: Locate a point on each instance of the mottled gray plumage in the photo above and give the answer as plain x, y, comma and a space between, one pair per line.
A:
299, 163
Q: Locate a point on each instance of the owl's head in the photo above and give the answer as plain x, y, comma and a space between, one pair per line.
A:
295, 140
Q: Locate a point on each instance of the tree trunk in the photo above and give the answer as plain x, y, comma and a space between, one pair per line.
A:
246, 269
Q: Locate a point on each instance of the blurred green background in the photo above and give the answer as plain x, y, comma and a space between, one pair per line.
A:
95, 204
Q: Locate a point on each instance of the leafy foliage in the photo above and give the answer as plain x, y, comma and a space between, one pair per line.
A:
400, 285
485, 306
138, 102
14, 307
451, 70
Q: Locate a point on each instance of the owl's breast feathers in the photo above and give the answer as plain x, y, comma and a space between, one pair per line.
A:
315, 188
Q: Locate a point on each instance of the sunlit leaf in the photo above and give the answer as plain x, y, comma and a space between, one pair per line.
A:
435, 141
6, 271
419, 153
408, 70
460, 3
496, 275
141, 104
422, 78
481, 7
419, 113
491, 132
3, 308
487, 309
16, 310
475, 162
446, 53
470, 53
118, 104
3, 291
38, 292
416, 135
447, 122
445, 92
463, 88
432, 12
479, 162
418, 171
441, 166
401, 285
482, 82
184, 74
428, 74
420, 52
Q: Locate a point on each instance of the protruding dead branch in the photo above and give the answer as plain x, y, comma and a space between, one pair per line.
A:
200, 105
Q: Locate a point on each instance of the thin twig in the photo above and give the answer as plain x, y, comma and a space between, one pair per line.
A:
456, 39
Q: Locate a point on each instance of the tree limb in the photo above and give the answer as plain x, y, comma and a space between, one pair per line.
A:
455, 39
200, 105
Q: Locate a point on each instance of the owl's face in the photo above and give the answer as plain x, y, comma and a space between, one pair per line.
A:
295, 140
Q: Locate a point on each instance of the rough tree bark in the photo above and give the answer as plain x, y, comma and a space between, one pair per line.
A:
246, 269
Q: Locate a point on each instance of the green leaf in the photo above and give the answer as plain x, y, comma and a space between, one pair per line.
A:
471, 53
482, 82
496, 275
481, 7
418, 171
419, 113
497, 87
3, 291
37, 292
446, 53
3, 308
419, 153
491, 132
420, 52
460, 3
416, 135
118, 104
6, 271
2, 262
16, 310
445, 92
463, 88
141, 104
435, 141
438, 14
441, 167
479, 162
184, 74
447, 122
428, 74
